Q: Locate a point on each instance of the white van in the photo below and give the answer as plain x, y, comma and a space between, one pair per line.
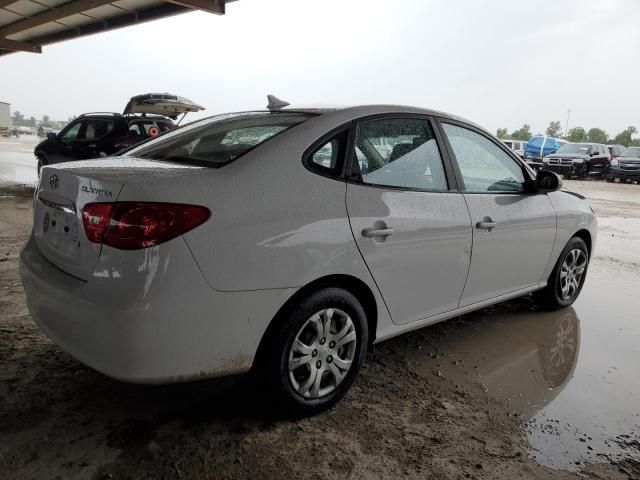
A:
516, 145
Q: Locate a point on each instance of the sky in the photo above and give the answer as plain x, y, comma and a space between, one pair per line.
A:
499, 63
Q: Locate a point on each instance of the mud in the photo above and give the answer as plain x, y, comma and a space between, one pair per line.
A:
508, 392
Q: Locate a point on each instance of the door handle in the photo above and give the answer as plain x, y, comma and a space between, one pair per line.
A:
486, 224
93, 145
377, 232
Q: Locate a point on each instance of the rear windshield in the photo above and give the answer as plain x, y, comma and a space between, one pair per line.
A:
574, 148
218, 140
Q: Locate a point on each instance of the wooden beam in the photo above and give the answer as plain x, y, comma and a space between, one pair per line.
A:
127, 19
12, 45
52, 14
211, 6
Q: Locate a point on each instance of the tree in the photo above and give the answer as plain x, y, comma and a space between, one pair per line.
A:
17, 117
577, 134
502, 133
32, 121
523, 133
554, 129
624, 137
46, 121
597, 135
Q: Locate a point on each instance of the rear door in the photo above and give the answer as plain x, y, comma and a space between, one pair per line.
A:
411, 225
513, 231
95, 139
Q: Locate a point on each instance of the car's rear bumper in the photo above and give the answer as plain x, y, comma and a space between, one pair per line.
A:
172, 328
621, 174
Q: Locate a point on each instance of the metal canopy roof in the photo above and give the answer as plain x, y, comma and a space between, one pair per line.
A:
27, 25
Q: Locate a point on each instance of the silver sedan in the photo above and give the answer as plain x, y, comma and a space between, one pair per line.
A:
287, 241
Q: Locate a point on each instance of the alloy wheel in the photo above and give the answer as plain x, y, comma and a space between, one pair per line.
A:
571, 273
322, 353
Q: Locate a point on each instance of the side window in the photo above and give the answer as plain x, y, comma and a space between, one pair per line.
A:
97, 129
399, 152
72, 133
328, 158
484, 166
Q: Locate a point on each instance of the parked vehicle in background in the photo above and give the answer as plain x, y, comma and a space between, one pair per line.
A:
539, 147
579, 160
516, 145
616, 150
95, 135
626, 166
287, 242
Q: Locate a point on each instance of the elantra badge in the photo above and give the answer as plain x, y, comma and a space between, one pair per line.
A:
54, 181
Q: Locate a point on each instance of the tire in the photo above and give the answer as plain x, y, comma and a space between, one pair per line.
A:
609, 180
560, 292
583, 171
297, 390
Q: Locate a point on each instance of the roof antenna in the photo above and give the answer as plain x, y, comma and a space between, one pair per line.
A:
275, 103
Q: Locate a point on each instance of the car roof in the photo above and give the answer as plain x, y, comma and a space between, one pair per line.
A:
358, 111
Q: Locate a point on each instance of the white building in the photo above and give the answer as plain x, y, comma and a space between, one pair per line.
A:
5, 115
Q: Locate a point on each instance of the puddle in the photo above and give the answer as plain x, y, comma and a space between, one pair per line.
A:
18, 165
571, 375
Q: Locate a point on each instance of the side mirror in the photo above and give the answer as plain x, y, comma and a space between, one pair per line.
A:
547, 181
593, 153
52, 136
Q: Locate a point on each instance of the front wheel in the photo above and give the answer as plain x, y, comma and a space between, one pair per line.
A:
316, 352
567, 278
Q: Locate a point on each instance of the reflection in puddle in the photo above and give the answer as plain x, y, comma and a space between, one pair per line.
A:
570, 375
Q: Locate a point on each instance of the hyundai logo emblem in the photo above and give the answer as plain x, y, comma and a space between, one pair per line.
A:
54, 181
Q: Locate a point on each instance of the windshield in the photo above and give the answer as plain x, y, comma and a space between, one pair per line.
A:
631, 152
218, 140
574, 148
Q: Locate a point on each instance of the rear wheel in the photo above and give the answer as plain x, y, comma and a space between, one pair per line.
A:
567, 278
316, 352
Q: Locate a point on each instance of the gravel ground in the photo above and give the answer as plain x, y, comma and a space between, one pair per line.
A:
60, 419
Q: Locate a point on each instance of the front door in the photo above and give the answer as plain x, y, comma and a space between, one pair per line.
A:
513, 231
412, 230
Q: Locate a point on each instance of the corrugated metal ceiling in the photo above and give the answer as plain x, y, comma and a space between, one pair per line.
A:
27, 25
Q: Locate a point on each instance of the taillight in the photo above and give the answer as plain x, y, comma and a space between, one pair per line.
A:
133, 225
95, 217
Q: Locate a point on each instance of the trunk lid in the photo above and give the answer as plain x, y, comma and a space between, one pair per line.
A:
57, 218
65, 189
164, 104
